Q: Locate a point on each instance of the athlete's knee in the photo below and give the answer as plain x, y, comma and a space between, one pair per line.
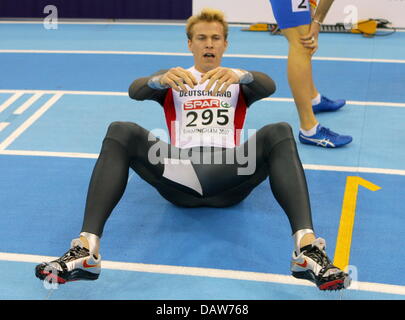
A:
298, 50
277, 132
123, 132
293, 36
284, 129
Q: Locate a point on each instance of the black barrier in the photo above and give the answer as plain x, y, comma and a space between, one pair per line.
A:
99, 9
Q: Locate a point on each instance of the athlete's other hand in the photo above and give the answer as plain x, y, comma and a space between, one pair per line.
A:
310, 40
177, 78
223, 77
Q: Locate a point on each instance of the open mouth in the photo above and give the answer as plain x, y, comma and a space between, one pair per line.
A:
209, 55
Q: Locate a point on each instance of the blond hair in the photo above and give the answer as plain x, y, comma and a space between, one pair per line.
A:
207, 15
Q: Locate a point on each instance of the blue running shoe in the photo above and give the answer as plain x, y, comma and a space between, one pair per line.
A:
328, 105
326, 138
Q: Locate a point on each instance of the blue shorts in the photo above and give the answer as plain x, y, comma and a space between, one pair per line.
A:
291, 13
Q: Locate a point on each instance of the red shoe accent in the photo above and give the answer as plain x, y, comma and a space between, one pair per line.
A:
331, 285
85, 265
55, 277
303, 265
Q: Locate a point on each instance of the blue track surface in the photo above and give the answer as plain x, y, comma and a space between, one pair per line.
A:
43, 202
103, 72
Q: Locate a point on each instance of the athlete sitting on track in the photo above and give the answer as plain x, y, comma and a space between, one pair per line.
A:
204, 165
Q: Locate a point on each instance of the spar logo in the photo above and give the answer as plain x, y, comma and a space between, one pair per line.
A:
205, 104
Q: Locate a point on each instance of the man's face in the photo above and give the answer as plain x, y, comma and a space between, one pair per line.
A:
208, 44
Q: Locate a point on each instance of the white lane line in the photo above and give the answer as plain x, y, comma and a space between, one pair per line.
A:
182, 54
49, 154
29, 121
376, 103
101, 93
10, 100
150, 53
354, 169
209, 272
125, 94
28, 103
349, 102
3, 125
266, 56
95, 156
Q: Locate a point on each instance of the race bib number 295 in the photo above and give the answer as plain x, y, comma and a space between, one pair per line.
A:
206, 112
299, 5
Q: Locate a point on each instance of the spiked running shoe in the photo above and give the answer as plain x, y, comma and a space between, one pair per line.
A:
76, 264
325, 137
328, 105
314, 265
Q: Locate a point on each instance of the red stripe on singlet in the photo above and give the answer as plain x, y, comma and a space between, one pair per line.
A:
170, 114
240, 115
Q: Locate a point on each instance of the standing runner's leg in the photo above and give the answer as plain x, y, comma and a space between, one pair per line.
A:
294, 19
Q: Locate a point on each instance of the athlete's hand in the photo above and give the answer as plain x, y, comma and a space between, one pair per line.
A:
223, 77
177, 78
310, 40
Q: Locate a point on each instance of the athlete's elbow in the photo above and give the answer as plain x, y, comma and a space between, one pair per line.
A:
265, 85
132, 91
270, 87
135, 93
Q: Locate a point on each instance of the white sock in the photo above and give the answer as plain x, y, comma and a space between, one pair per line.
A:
309, 132
316, 100
297, 236
93, 240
